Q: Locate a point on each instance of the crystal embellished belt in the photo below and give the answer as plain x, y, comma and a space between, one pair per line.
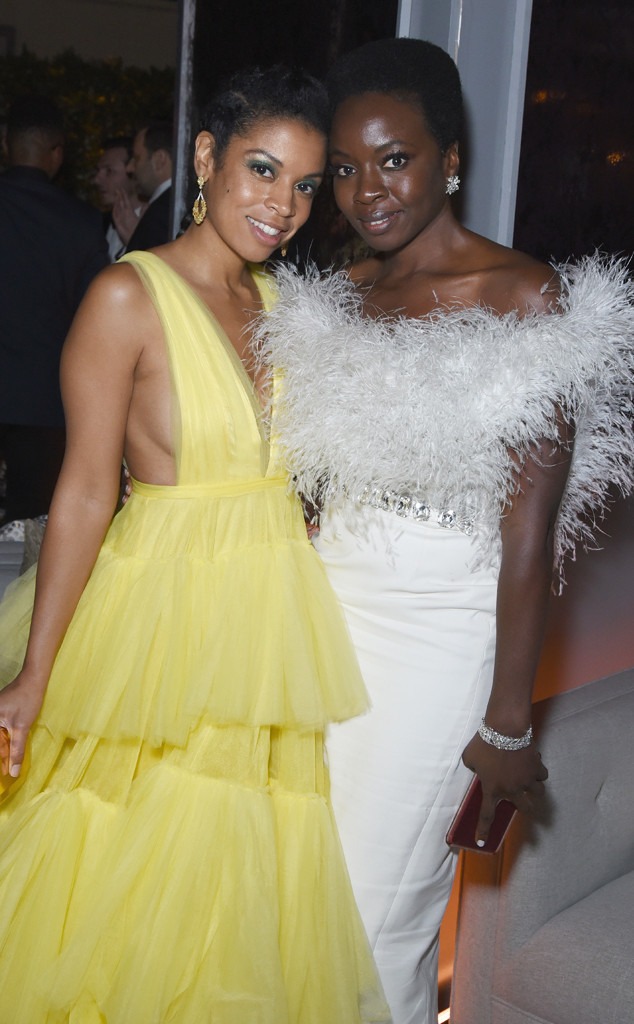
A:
407, 506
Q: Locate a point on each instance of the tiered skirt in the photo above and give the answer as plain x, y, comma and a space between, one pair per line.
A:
172, 855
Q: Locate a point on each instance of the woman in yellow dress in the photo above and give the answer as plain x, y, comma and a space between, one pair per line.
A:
171, 854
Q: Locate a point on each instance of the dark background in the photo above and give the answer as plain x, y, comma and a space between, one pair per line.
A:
576, 177
232, 34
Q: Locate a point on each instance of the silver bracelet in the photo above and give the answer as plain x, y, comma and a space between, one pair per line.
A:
502, 742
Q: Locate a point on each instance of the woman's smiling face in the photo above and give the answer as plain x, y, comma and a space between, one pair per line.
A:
262, 190
390, 175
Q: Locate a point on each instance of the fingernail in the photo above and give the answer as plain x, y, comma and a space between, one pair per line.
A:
480, 842
14, 771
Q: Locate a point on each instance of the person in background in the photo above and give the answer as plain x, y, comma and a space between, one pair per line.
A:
117, 192
150, 167
51, 247
430, 401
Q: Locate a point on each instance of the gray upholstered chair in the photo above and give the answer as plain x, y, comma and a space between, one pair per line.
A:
546, 928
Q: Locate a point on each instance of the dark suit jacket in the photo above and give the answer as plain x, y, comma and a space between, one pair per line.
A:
154, 226
51, 246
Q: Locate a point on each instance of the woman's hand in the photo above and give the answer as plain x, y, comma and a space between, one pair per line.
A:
527, 533
515, 775
20, 704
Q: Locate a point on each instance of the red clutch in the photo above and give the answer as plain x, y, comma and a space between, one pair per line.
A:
462, 829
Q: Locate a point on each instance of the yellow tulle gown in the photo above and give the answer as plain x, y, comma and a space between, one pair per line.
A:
172, 855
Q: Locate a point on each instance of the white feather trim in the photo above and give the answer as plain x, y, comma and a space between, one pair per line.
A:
432, 406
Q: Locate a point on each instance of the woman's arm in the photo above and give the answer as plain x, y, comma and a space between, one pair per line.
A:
97, 375
527, 530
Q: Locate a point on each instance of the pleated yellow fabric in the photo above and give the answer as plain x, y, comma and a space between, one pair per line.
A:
172, 855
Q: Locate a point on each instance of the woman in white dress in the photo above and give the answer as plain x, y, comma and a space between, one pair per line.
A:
431, 401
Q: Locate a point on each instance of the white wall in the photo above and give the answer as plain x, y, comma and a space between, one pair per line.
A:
144, 33
488, 39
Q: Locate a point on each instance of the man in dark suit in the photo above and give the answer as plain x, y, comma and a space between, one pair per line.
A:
151, 169
51, 246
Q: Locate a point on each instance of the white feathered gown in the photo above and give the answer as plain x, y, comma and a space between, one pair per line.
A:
430, 409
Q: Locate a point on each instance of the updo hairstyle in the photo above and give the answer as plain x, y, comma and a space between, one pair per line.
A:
250, 97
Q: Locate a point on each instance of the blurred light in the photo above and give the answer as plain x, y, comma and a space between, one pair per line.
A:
443, 1018
547, 96
616, 158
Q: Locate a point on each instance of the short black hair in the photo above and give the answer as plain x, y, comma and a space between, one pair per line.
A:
256, 95
158, 135
408, 69
118, 142
35, 114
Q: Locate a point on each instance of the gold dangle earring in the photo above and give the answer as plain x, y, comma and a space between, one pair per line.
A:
199, 209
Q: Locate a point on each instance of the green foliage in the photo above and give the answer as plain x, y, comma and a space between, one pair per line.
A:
99, 98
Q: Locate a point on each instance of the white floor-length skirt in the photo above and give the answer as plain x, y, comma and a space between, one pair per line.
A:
424, 628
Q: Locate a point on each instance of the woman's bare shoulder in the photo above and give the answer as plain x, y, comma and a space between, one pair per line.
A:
513, 280
119, 284
365, 272
115, 312
117, 294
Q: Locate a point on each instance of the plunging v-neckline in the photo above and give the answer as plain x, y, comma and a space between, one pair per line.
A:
243, 375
